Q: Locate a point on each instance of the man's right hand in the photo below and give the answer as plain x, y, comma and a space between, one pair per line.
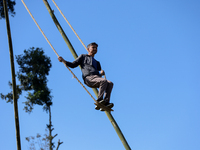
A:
60, 59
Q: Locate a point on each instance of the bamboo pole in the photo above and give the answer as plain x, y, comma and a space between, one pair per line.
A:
70, 25
13, 76
50, 130
109, 115
60, 29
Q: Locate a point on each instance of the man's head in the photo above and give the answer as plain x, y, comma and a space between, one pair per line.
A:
92, 49
93, 43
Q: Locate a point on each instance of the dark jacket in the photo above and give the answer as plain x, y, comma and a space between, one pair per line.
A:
87, 65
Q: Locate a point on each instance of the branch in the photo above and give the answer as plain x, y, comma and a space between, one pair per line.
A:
59, 143
54, 136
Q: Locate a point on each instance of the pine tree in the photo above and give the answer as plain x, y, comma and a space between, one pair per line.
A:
10, 5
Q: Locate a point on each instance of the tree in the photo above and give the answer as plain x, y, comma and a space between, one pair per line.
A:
34, 66
47, 141
10, 5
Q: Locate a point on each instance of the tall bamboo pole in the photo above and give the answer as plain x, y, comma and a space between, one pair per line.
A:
50, 130
109, 115
13, 77
60, 29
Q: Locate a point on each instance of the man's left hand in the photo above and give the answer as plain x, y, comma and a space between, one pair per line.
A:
102, 72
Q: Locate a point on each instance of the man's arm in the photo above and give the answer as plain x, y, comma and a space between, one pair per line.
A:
99, 69
73, 64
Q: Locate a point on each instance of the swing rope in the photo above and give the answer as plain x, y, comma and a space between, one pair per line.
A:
39, 27
69, 25
56, 52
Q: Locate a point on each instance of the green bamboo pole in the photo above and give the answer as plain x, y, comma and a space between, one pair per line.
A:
13, 76
109, 115
60, 29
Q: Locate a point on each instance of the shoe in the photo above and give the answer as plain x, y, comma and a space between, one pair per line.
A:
102, 102
101, 109
98, 100
106, 103
97, 107
110, 105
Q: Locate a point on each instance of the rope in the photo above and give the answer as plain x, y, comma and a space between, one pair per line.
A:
80, 82
56, 52
69, 24
39, 27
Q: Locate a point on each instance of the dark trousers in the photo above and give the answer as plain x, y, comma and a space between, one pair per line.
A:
105, 86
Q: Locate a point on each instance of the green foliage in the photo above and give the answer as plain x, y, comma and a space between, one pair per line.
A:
10, 5
9, 96
34, 66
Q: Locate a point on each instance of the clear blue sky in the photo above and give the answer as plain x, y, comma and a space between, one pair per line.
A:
149, 49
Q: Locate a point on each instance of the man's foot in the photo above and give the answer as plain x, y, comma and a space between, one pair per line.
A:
97, 107
110, 105
103, 102
101, 109
99, 101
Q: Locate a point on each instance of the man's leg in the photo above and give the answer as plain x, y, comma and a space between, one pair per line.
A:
108, 90
95, 81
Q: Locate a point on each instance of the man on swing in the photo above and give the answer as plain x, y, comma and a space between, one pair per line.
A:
90, 72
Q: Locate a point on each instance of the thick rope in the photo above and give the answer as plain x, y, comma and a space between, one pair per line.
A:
56, 52
39, 27
69, 24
